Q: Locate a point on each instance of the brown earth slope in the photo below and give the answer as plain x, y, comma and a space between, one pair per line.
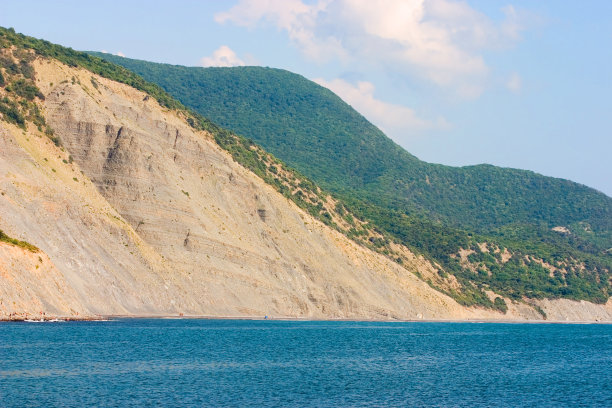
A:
138, 214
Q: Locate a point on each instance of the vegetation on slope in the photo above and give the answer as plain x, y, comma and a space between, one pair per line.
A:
16, 242
73, 58
383, 223
18, 92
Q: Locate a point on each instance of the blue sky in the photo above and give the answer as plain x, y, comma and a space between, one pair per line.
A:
517, 83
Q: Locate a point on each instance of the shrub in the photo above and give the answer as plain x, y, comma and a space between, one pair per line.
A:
25, 89
10, 112
500, 304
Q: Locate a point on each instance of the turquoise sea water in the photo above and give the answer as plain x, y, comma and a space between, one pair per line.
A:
158, 362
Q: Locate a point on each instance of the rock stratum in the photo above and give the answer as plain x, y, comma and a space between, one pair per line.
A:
138, 214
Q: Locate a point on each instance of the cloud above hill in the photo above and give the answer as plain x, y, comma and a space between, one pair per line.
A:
223, 56
395, 120
442, 41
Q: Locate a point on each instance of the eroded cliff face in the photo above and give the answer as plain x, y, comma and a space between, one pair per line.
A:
141, 215
91, 261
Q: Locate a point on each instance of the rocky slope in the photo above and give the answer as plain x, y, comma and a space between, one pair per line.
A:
138, 214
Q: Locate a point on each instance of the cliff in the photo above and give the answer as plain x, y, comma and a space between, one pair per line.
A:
136, 213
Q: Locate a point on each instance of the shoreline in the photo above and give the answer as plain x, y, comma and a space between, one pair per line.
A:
98, 318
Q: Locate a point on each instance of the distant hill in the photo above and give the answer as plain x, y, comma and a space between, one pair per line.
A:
433, 208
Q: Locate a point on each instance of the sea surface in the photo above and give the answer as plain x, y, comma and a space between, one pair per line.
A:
201, 363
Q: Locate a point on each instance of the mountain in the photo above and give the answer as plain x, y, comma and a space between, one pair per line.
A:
437, 210
115, 199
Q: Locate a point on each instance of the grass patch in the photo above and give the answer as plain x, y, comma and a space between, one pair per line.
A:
18, 243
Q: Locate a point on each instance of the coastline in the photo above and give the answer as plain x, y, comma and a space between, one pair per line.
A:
96, 318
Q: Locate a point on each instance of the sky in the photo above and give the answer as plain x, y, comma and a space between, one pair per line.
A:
520, 83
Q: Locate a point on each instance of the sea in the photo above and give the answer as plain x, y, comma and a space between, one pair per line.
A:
272, 363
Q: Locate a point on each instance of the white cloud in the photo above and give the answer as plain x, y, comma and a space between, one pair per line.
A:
299, 20
118, 53
223, 56
392, 119
514, 83
441, 40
